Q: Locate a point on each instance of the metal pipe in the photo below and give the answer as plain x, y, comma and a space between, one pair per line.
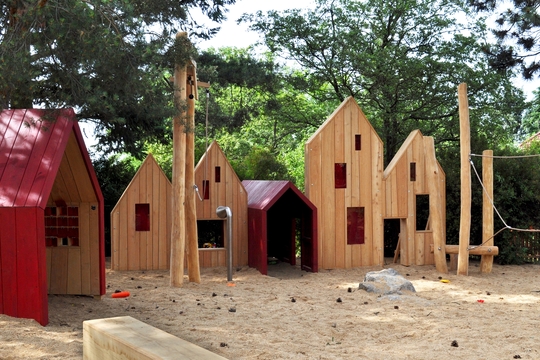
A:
225, 212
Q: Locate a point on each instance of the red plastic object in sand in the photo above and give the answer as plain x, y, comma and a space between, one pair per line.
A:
121, 294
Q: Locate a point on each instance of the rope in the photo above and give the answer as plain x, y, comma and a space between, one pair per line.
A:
506, 226
506, 157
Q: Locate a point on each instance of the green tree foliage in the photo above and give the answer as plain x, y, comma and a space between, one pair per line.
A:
108, 59
517, 30
531, 120
400, 59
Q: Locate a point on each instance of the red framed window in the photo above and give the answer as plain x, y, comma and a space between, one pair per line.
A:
142, 217
340, 175
355, 225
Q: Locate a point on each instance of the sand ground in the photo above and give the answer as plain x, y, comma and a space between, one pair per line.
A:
292, 314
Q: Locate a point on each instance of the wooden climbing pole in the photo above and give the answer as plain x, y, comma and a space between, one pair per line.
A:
184, 221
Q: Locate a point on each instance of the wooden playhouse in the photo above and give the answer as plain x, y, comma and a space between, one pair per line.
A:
219, 185
141, 221
279, 216
51, 211
409, 187
344, 179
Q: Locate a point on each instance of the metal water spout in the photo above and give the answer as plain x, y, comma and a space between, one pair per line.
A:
225, 212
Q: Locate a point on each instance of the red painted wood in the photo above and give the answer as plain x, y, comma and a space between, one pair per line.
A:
48, 156
31, 294
8, 262
262, 196
11, 123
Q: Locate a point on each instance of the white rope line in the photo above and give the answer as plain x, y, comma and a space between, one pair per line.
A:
506, 157
506, 226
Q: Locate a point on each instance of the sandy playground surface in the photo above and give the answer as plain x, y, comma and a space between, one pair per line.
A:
292, 314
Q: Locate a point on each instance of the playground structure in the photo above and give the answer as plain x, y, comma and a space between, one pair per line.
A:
51, 208
279, 217
141, 221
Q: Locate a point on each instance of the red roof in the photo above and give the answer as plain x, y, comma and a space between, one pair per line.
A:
32, 144
262, 194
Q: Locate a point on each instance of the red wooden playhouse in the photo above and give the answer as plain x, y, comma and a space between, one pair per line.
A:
51, 213
279, 215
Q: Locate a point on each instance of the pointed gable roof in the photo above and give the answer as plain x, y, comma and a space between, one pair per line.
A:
262, 194
32, 146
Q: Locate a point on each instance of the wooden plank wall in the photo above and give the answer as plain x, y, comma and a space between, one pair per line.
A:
334, 142
401, 195
143, 250
230, 192
75, 269
23, 291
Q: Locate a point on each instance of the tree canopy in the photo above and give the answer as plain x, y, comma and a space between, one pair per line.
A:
107, 58
517, 28
401, 60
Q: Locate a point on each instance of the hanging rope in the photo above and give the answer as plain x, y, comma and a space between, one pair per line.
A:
506, 226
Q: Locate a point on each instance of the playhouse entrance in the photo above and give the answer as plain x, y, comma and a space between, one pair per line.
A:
391, 236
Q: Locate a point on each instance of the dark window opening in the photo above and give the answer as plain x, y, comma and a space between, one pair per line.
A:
422, 212
142, 217
355, 225
210, 233
340, 175
412, 172
206, 189
61, 226
358, 142
217, 174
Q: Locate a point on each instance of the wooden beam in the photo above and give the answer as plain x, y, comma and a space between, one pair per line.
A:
435, 204
192, 243
127, 338
178, 177
465, 150
486, 263
475, 250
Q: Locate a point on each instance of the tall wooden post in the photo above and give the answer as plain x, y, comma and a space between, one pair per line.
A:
486, 262
192, 244
465, 146
178, 176
435, 205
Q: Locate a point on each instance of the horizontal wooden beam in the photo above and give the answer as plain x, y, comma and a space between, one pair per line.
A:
475, 250
127, 338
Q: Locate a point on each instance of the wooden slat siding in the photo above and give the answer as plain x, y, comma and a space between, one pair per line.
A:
366, 195
14, 172
9, 132
68, 175
429, 257
141, 237
94, 249
132, 236
420, 245
125, 224
48, 255
8, 259
338, 152
329, 213
33, 167
31, 267
165, 219
74, 279
356, 174
81, 188
155, 199
59, 270
378, 201
84, 244
313, 185
115, 239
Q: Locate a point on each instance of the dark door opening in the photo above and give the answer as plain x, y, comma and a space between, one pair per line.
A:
391, 236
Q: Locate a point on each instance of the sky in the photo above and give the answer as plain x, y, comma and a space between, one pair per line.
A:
235, 35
